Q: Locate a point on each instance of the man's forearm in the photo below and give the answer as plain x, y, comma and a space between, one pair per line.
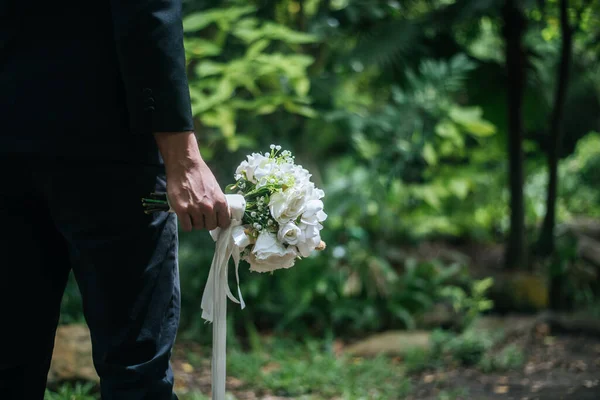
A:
178, 149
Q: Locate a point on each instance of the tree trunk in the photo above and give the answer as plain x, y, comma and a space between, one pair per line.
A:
514, 28
546, 239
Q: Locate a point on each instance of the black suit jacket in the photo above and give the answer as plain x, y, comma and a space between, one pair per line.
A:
91, 78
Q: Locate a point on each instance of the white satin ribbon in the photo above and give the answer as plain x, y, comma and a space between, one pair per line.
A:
229, 243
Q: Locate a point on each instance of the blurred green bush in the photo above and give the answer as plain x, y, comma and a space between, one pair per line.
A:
401, 120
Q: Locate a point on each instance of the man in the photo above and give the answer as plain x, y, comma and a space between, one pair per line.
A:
94, 115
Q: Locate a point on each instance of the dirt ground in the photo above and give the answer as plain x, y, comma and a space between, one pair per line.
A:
565, 367
560, 367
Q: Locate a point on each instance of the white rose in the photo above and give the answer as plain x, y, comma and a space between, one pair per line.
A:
301, 175
264, 170
313, 193
313, 213
269, 254
251, 165
289, 233
241, 169
288, 204
309, 238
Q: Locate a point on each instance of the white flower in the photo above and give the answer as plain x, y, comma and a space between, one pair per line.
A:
264, 170
313, 213
310, 238
287, 205
313, 193
269, 254
242, 168
301, 175
250, 166
289, 233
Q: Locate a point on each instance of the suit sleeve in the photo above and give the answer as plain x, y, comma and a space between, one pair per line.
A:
149, 43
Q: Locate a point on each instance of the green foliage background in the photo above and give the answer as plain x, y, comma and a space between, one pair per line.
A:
398, 108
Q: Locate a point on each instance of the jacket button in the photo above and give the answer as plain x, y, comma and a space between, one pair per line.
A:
147, 91
149, 108
149, 101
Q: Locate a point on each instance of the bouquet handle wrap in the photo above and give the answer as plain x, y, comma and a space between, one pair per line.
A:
216, 291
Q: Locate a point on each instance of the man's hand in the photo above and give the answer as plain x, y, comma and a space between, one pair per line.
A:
192, 189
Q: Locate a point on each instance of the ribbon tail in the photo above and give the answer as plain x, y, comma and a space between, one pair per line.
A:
216, 292
219, 354
236, 260
208, 297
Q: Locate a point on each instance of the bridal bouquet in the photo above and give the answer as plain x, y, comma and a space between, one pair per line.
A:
283, 213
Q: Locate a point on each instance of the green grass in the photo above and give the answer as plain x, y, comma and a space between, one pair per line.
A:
468, 349
312, 371
510, 358
77, 391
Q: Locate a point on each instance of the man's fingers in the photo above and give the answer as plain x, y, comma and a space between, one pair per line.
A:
223, 217
198, 220
185, 221
210, 220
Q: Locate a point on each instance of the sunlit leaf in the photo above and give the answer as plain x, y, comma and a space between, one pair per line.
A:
201, 48
459, 187
448, 130
469, 118
208, 68
220, 16
429, 154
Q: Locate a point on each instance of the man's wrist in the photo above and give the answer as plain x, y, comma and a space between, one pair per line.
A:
178, 149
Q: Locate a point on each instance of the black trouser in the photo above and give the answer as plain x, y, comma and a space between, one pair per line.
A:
86, 215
